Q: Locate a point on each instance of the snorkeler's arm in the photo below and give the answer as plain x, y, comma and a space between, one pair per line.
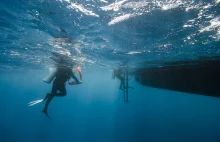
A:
74, 82
75, 78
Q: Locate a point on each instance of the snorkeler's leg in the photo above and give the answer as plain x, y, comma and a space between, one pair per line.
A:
62, 90
46, 96
47, 103
119, 78
122, 84
53, 91
49, 97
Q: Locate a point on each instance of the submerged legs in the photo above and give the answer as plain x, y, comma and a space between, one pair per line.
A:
50, 96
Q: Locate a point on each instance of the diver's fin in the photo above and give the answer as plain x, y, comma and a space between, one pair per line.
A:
45, 112
122, 89
35, 102
130, 87
127, 87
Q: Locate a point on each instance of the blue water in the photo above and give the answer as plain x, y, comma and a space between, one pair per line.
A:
99, 35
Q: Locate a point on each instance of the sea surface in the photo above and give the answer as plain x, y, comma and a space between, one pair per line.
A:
101, 36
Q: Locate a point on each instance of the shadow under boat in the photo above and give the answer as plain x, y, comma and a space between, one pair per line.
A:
201, 76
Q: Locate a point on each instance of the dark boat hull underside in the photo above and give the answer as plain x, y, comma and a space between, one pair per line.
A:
201, 77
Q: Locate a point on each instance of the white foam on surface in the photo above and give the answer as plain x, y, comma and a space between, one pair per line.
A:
114, 6
120, 19
82, 9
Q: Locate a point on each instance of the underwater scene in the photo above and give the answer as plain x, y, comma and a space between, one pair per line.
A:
109, 70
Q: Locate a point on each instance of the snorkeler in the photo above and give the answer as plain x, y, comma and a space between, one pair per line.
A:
118, 74
63, 74
60, 75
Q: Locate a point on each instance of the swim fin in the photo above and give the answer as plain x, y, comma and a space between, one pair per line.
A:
35, 102
130, 87
127, 87
45, 112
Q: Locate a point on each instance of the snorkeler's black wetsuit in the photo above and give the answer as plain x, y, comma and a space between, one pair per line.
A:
63, 75
118, 74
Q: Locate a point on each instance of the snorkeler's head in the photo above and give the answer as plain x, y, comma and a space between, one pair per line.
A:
62, 59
